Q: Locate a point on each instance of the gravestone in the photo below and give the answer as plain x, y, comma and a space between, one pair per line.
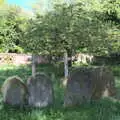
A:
40, 91
85, 84
14, 91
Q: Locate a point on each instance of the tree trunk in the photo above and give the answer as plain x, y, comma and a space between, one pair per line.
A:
70, 57
33, 65
66, 65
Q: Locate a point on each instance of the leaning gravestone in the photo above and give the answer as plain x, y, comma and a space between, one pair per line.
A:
40, 91
85, 84
14, 91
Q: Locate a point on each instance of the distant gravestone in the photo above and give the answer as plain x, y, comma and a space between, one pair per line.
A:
14, 91
40, 91
85, 84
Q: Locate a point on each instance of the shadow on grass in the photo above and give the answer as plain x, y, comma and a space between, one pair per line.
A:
10, 70
24, 71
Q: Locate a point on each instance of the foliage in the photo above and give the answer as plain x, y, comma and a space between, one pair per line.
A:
116, 70
68, 27
33, 42
111, 14
10, 27
72, 26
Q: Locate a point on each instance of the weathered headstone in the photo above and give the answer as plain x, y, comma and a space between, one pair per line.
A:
14, 91
40, 91
85, 84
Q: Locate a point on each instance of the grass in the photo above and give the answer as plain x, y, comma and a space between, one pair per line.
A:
104, 109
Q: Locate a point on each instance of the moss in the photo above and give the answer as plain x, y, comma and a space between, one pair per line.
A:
9, 88
11, 80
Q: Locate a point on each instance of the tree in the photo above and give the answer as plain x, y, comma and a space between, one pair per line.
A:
108, 12
111, 14
10, 28
35, 39
66, 29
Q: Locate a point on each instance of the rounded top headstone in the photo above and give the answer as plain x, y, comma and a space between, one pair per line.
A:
14, 91
40, 90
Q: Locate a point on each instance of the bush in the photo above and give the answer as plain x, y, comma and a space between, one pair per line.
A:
116, 70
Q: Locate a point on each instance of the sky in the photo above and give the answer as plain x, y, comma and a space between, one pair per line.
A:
26, 4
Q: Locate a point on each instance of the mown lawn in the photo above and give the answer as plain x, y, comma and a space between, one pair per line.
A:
104, 109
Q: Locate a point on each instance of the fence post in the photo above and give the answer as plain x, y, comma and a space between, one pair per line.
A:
33, 65
66, 65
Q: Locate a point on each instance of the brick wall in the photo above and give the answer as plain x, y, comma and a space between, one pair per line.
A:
17, 59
